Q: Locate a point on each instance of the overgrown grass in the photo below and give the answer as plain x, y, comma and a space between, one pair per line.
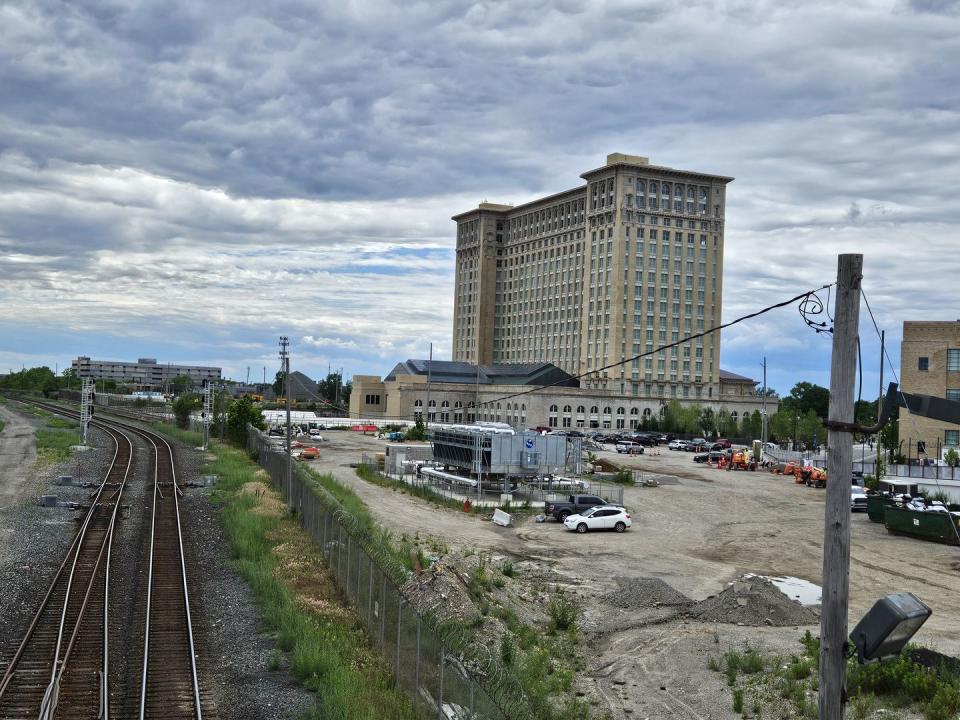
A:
2, 425
187, 437
323, 641
53, 444
789, 687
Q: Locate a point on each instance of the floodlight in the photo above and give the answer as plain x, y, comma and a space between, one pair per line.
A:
888, 626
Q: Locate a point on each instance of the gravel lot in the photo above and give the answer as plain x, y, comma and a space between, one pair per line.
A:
698, 534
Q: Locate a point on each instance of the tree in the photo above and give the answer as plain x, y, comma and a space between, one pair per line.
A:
334, 390
418, 431
754, 425
241, 413
183, 406
278, 382
805, 397
181, 384
952, 457
724, 423
708, 421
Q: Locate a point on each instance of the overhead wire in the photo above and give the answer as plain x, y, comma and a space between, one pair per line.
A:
540, 388
718, 328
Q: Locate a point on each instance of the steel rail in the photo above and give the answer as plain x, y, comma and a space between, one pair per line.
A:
48, 703
163, 449
159, 441
104, 711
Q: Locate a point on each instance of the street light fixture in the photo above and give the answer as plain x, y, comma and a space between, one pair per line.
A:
888, 626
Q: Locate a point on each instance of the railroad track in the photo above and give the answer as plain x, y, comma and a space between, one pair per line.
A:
61, 666
168, 682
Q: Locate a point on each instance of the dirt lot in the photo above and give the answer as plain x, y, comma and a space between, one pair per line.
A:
698, 533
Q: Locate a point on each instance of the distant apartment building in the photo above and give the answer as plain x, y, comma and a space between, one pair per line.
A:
930, 365
627, 263
146, 372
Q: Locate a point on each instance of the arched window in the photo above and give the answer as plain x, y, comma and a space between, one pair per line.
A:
418, 403
581, 409
445, 404
594, 410
646, 412
634, 411
620, 411
733, 416
606, 410
653, 187
566, 408
641, 187
553, 408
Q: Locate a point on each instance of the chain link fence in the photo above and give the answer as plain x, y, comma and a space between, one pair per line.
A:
446, 675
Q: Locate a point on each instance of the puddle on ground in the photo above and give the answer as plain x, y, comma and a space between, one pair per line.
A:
804, 592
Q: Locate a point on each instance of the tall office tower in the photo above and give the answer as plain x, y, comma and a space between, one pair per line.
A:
626, 264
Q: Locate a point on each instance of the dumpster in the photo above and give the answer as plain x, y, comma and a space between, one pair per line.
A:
935, 526
875, 507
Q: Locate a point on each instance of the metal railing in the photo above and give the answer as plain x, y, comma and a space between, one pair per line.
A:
434, 663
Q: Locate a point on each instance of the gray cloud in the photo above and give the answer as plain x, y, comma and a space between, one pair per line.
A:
191, 157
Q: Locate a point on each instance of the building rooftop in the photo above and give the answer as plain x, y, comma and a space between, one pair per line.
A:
451, 371
733, 377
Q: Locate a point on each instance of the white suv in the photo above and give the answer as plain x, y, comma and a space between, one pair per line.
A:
602, 517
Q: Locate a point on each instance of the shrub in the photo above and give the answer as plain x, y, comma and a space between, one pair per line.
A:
563, 614
738, 700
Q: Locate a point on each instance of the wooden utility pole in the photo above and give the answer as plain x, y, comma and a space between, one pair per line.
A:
836, 532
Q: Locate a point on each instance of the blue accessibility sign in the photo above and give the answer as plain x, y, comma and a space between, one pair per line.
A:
529, 443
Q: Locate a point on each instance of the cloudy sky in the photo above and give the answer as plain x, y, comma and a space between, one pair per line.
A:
190, 180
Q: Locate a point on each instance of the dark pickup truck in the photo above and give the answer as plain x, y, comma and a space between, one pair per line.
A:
577, 503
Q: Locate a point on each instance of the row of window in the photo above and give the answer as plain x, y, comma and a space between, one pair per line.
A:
953, 362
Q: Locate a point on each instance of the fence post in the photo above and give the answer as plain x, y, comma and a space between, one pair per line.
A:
383, 606
346, 585
416, 672
399, 623
370, 598
359, 573
339, 550
440, 698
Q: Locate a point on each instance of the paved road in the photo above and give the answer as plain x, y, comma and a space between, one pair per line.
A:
18, 451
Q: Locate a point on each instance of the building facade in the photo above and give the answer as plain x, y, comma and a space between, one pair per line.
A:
145, 371
930, 365
625, 264
453, 395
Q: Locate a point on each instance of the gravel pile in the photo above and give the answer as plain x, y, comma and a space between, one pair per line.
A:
645, 592
753, 601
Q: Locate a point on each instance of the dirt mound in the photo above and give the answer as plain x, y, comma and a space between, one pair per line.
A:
644, 592
753, 601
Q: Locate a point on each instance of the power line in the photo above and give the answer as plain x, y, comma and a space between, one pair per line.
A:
540, 388
740, 319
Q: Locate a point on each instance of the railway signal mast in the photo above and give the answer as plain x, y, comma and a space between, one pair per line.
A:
86, 407
285, 367
207, 412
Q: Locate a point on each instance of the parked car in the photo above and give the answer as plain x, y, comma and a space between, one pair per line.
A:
713, 456
309, 453
724, 443
610, 517
677, 445
630, 448
858, 499
561, 510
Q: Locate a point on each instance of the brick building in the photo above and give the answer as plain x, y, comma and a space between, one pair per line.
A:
930, 365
